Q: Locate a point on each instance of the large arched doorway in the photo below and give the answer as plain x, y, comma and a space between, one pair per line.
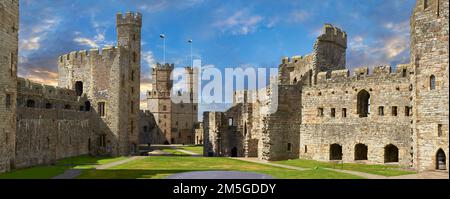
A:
79, 88
390, 153
234, 152
441, 160
361, 152
363, 103
335, 152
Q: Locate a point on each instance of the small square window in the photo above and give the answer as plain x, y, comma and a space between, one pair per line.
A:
381, 111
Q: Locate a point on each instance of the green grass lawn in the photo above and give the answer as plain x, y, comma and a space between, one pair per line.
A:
175, 152
47, 172
162, 166
384, 170
195, 149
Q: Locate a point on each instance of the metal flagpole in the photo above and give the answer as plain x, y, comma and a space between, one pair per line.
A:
192, 64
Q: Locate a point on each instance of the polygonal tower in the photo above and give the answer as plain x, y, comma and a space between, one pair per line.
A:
429, 57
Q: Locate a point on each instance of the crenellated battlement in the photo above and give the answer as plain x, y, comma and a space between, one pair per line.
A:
26, 86
333, 34
335, 76
166, 66
83, 56
129, 19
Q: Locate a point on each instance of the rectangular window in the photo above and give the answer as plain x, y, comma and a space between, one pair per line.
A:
230, 121
8, 101
344, 112
381, 111
320, 112
407, 111
306, 148
439, 130
101, 109
289, 147
333, 112
132, 126
394, 111
132, 75
404, 73
131, 107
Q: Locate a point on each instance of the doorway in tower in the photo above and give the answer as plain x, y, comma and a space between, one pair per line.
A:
234, 152
441, 160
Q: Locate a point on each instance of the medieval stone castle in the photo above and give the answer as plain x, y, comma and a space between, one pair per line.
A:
397, 116
323, 113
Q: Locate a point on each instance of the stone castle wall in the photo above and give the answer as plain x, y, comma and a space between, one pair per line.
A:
430, 58
9, 29
336, 98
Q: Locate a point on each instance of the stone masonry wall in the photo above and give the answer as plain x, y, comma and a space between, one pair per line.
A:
9, 28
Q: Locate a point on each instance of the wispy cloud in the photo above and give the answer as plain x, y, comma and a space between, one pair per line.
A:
239, 23
32, 40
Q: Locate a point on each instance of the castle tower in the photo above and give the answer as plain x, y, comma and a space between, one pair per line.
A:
110, 79
175, 119
129, 38
329, 50
430, 58
9, 28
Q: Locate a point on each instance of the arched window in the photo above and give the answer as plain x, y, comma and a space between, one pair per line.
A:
79, 88
363, 103
432, 82
335, 152
360, 152
295, 80
390, 153
441, 160
31, 103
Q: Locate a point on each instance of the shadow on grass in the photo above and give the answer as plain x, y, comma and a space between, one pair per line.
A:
130, 173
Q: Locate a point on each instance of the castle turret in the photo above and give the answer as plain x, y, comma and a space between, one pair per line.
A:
430, 57
129, 30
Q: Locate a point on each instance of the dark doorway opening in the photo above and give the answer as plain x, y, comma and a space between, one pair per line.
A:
390, 153
234, 152
441, 160
87, 106
335, 152
79, 88
363, 103
360, 152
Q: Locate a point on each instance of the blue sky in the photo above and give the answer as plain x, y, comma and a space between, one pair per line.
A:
236, 33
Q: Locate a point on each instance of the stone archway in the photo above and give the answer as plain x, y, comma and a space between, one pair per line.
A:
441, 160
390, 153
335, 152
361, 152
363, 103
79, 88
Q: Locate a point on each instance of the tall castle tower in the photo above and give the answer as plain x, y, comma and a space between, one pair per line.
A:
176, 119
110, 78
9, 28
430, 58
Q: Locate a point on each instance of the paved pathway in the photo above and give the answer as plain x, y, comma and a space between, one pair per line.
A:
188, 152
219, 175
73, 173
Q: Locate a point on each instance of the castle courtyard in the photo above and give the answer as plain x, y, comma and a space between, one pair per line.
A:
178, 160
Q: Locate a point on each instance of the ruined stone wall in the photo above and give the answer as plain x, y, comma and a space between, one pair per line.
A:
330, 114
149, 131
9, 28
213, 128
199, 140
430, 58
110, 76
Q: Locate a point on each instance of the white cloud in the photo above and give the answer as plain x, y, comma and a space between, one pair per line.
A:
239, 23
149, 59
96, 42
299, 16
36, 33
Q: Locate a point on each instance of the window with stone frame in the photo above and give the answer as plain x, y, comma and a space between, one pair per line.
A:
439, 130
344, 112
432, 82
426, 4
333, 112
394, 111
8, 101
407, 111
381, 111
101, 109
320, 112
289, 147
